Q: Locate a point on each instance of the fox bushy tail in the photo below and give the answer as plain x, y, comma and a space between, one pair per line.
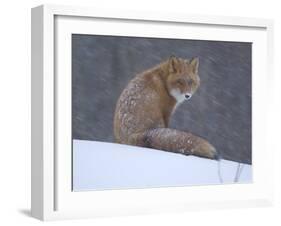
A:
176, 141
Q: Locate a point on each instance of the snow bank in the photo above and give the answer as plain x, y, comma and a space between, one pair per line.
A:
100, 166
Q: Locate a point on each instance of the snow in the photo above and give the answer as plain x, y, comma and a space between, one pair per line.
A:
100, 166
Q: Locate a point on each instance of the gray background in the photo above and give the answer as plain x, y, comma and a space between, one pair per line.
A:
220, 110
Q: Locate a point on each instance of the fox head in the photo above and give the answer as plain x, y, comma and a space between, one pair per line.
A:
183, 79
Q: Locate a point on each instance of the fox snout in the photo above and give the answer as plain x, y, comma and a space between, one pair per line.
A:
179, 96
187, 96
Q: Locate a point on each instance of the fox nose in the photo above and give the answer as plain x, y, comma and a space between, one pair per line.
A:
187, 96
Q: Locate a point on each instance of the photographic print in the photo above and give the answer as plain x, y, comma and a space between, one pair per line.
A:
159, 112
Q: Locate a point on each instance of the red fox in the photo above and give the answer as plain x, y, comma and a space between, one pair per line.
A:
145, 106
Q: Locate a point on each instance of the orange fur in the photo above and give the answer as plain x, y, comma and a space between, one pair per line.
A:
145, 106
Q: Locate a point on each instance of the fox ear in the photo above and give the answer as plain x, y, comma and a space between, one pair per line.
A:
173, 64
194, 63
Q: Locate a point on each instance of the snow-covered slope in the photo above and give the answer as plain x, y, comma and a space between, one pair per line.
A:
99, 166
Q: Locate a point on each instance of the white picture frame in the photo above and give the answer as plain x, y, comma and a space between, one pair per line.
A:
52, 197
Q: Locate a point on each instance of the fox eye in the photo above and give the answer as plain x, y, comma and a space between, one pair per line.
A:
180, 82
190, 82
